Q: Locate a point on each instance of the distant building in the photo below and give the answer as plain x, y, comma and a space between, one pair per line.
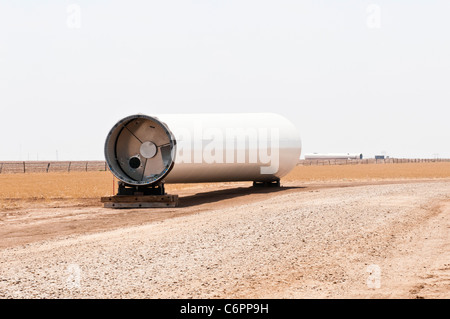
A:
335, 156
379, 157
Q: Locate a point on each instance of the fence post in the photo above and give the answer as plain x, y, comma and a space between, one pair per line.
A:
24, 166
86, 165
1, 167
69, 167
48, 167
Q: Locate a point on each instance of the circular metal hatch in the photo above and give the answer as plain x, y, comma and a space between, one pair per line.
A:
140, 150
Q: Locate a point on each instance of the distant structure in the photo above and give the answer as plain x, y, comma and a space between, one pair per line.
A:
334, 156
380, 157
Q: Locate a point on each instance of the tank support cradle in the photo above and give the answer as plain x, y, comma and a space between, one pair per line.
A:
275, 183
125, 189
140, 197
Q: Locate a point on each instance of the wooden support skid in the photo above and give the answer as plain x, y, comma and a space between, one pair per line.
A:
140, 201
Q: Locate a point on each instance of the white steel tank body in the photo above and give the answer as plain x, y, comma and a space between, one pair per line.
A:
190, 148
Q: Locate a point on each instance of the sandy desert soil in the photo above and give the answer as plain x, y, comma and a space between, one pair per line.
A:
363, 238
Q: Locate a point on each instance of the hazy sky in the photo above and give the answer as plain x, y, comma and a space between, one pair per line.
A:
353, 76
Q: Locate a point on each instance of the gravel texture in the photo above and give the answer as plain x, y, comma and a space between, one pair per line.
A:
369, 241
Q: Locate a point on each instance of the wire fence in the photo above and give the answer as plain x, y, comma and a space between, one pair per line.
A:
47, 167
369, 161
91, 166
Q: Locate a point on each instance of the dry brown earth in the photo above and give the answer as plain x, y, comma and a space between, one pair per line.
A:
370, 235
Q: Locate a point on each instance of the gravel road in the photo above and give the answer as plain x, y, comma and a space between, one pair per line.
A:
364, 241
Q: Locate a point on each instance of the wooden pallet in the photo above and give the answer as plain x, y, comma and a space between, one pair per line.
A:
140, 201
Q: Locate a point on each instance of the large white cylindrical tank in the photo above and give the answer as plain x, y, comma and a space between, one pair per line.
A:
190, 148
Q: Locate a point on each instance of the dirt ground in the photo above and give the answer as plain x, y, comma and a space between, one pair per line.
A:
334, 238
